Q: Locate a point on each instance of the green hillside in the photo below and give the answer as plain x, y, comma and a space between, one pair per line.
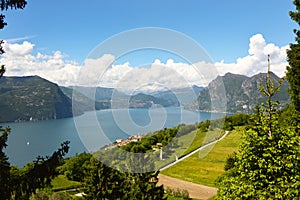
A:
32, 98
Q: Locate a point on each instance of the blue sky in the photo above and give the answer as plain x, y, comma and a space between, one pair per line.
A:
222, 27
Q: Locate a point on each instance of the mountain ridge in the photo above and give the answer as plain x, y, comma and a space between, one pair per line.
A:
32, 98
237, 93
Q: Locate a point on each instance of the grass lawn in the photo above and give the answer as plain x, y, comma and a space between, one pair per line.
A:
204, 167
62, 183
189, 142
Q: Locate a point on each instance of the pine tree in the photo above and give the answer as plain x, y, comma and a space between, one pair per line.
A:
104, 182
5, 189
293, 70
267, 165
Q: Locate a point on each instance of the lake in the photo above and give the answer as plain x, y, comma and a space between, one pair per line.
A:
92, 130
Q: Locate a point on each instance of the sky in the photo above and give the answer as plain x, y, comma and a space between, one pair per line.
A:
55, 39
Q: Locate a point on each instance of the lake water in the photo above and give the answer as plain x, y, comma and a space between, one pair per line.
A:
92, 130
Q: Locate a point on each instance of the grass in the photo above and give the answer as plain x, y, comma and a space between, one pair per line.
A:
62, 183
189, 142
205, 167
202, 138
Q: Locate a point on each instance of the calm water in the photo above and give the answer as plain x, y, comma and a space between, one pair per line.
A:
92, 130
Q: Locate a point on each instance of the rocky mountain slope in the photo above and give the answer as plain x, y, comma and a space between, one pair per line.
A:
237, 93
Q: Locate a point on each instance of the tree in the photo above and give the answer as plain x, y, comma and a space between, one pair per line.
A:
75, 167
104, 182
4, 165
267, 165
293, 70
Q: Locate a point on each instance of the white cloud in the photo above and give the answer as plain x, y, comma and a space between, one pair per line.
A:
256, 61
18, 50
20, 61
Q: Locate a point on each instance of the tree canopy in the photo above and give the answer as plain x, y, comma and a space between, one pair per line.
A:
293, 70
267, 165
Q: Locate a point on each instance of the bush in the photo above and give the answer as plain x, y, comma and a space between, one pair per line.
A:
182, 193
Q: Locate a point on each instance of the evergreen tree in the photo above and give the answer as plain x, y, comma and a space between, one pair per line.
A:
293, 70
5, 187
141, 179
267, 165
103, 182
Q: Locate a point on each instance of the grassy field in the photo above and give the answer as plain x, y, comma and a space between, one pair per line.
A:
190, 142
204, 167
62, 183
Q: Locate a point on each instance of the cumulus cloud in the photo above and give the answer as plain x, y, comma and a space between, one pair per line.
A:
20, 61
17, 50
256, 61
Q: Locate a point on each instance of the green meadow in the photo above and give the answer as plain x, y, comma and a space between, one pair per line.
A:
205, 166
190, 142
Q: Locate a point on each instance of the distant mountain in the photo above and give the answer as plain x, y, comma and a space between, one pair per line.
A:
83, 102
241, 93
180, 96
146, 101
32, 98
88, 98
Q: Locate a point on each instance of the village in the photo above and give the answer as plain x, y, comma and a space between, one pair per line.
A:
122, 142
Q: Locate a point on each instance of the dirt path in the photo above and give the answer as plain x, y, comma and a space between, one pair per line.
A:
195, 190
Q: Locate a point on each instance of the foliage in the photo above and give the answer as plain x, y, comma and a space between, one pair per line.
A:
240, 119
43, 195
164, 136
267, 165
4, 165
103, 182
21, 183
74, 167
184, 194
293, 70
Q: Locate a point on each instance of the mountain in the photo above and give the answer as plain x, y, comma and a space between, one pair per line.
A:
180, 96
146, 101
237, 93
81, 101
32, 98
